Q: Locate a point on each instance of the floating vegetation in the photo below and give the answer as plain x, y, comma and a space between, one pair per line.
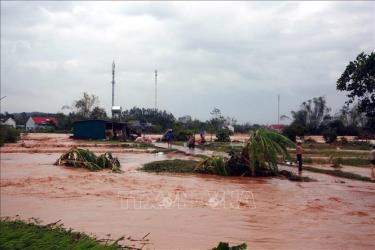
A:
213, 165
83, 158
225, 246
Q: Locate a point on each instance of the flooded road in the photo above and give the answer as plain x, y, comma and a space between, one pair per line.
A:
190, 211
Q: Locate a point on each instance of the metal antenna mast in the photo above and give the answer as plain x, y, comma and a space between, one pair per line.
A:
113, 83
156, 89
278, 109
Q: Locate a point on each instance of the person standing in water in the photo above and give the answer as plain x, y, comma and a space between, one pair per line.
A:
299, 152
372, 159
169, 136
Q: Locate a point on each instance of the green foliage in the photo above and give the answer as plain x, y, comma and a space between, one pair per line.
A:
18, 234
172, 166
182, 134
223, 135
358, 80
98, 113
225, 246
263, 149
313, 115
213, 165
8, 134
293, 130
159, 118
329, 135
83, 158
351, 161
85, 105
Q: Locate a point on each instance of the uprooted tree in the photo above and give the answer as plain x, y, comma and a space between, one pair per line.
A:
258, 157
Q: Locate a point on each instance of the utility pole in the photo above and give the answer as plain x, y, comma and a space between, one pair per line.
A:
113, 83
278, 109
156, 89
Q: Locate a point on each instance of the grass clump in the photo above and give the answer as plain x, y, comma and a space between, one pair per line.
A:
171, 166
339, 173
213, 165
225, 246
83, 158
17, 234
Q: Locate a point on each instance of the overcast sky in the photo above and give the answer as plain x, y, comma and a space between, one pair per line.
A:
235, 56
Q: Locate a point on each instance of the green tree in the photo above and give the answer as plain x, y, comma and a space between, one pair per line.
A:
358, 80
98, 113
313, 115
85, 105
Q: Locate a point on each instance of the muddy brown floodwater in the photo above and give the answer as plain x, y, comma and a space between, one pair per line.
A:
186, 211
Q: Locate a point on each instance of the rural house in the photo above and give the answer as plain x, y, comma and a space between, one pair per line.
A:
277, 127
38, 122
9, 122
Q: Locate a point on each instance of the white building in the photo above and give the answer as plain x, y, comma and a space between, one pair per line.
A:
37, 122
9, 122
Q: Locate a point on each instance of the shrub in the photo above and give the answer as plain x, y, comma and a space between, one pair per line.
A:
223, 135
225, 246
8, 135
329, 135
213, 165
293, 130
343, 140
181, 134
310, 140
172, 166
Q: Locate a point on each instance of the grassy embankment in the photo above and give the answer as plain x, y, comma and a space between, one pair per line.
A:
339, 173
18, 234
190, 166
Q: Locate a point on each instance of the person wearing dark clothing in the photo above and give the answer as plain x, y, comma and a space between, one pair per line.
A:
299, 152
169, 136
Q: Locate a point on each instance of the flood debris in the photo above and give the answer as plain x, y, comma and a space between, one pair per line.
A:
84, 158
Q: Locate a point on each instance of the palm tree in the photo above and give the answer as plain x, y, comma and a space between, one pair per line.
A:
262, 150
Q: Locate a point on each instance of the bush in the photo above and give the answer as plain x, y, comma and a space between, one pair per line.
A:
171, 166
343, 140
181, 134
329, 135
223, 135
225, 246
213, 165
293, 130
8, 135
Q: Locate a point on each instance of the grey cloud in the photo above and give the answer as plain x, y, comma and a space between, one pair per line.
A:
236, 56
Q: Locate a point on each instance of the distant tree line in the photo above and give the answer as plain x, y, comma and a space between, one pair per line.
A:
314, 117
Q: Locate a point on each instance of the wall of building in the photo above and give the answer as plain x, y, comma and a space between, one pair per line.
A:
90, 129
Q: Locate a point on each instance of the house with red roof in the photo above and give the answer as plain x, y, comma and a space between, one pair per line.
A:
38, 122
277, 127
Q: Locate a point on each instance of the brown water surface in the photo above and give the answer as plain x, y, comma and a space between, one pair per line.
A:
190, 211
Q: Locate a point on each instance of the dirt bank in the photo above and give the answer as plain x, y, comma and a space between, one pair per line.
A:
190, 211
